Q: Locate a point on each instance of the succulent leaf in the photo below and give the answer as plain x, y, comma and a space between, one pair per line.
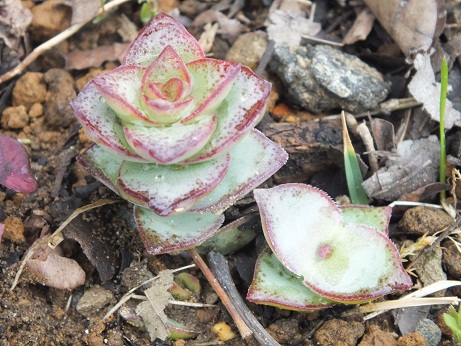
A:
342, 262
15, 172
102, 165
170, 144
160, 32
374, 217
231, 237
121, 89
174, 233
171, 188
253, 160
168, 65
211, 82
274, 285
100, 123
242, 109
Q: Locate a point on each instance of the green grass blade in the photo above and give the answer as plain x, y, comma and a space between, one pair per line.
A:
353, 173
443, 99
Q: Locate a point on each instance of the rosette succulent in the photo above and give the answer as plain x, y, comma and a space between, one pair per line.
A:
174, 134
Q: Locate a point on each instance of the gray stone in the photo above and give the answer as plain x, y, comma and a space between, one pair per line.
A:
429, 268
430, 331
320, 78
94, 300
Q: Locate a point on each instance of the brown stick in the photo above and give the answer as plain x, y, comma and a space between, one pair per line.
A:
244, 330
54, 41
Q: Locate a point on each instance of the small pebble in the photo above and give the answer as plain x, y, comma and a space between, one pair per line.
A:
430, 331
93, 300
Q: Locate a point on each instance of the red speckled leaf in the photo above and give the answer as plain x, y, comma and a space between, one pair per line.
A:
15, 172
160, 32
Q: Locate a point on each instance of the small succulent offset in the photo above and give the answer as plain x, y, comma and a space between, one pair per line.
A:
174, 134
322, 253
453, 320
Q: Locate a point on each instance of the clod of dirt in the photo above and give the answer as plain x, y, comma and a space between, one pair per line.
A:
60, 93
135, 275
36, 110
430, 331
339, 333
224, 331
411, 339
15, 118
49, 19
285, 331
29, 89
421, 220
13, 229
94, 300
451, 258
320, 78
376, 337
442, 325
248, 49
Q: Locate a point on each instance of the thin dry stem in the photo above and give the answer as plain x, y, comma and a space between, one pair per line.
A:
243, 328
56, 40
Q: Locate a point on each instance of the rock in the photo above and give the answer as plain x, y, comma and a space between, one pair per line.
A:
411, 339
135, 275
29, 89
451, 258
36, 110
320, 78
49, 19
339, 333
376, 337
429, 268
61, 92
94, 300
420, 220
285, 331
13, 229
430, 331
248, 49
15, 118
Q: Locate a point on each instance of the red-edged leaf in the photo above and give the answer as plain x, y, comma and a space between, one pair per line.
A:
160, 32
15, 172
100, 124
175, 232
121, 88
168, 65
211, 82
244, 107
172, 188
253, 160
172, 144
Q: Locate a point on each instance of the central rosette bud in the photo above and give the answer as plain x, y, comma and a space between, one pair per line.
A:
166, 88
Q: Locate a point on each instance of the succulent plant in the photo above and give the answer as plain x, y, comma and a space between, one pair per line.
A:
174, 134
322, 253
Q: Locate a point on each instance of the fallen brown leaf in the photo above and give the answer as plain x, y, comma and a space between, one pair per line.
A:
413, 25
